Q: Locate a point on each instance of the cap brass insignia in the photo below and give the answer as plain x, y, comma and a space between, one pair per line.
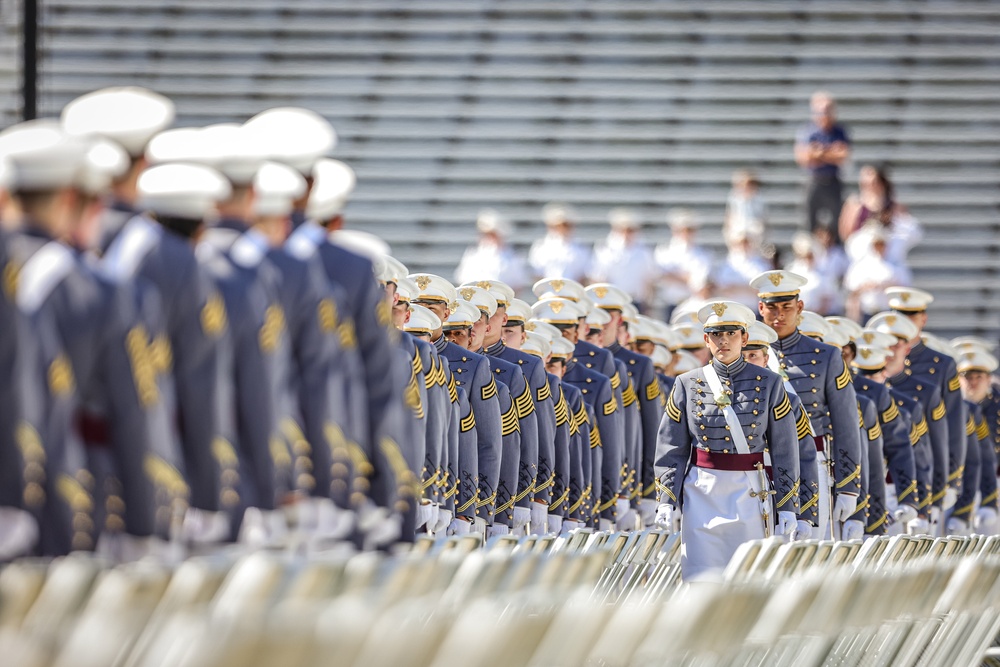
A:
905, 296
529, 326
775, 279
865, 352
601, 292
685, 331
718, 309
467, 293
484, 284
453, 306
422, 281
556, 306
557, 285
890, 320
969, 355
868, 337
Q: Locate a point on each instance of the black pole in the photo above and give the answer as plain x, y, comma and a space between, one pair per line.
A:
29, 71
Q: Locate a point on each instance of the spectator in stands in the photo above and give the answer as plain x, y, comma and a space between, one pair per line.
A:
868, 277
558, 254
681, 259
875, 207
625, 260
821, 293
746, 209
743, 263
831, 260
492, 258
821, 148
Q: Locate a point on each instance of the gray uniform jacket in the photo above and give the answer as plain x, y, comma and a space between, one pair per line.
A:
925, 390
940, 367
897, 449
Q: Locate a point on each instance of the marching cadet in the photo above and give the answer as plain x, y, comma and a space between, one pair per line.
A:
129, 116
643, 388
727, 444
472, 372
975, 367
536, 412
106, 348
760, 337
332, 185
925, 390
938, 367
901, 497
817, 374
912, 406
607, 431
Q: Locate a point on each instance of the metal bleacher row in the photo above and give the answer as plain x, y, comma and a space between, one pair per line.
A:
447, 107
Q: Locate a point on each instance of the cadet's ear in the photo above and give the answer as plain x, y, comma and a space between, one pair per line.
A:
745, 337
799, 306
760, 308
705, 337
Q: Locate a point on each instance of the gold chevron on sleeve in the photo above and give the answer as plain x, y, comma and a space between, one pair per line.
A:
802, 425
938, 412
970, 425
982, 430
783, 408
653, 390
468, 423
489, 389
544, 392
672, 410
525, 406
616, 381
890, 413
844, 378
875, 432
595, 437
954, 384
610, 406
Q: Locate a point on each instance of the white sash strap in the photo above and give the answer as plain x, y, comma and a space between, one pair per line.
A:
41, 274
136, 239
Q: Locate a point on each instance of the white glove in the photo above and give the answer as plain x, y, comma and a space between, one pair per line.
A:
555, 524
332, 522
427, 512
950, 498
204, 527
786, 524
479, 526
605, 526
522, 515
539, 518
627, 521
919, 526
957, 526
129, 548
459, 527
647, 510
668, 517
263, 528
443, 521
934, 515
569, 525
803, 530
18, 532
904, 514
853, 530
384, 533
844, 506
621, 509
496, 529
986, 519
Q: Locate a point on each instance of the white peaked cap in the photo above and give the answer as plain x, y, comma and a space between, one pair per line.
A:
235, 151
490, 220
895, 324
479, 298
761, 334
130, 116
181, 144
463, 316
406, 290
434, 288
361, 243
543, 329
276, 187
296, 137
847, 325
597, 318
814, 325
908, 299
105, 161
661, 356
42, 156
963, 342
564, 288
561, 348
871, 357
390, 270
777, 284
939, 344
502, 292
689, 336
873, 338
688, 315
557, 311
422, 321
645, 328
608, 296
975, 359
537, 345
6, 174
726, 313
518, 312
685, 361
333, 184
630, 314
188, 191
836, 336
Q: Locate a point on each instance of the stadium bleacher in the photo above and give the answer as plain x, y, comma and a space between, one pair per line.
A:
446, 107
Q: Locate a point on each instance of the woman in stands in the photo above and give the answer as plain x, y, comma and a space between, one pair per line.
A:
875, 209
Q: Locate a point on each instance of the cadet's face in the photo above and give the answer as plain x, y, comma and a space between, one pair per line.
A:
514, 337
609, 332
645, 347
460, 337
582, 329
480, 330
920, 319
594, 337
400, 314
783, 316
556, 366
847, 352
895, 363
439, 309
726, 346
572, 334
756, 357
497, 322
975, 385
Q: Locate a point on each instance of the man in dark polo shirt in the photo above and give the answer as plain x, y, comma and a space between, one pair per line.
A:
821, 147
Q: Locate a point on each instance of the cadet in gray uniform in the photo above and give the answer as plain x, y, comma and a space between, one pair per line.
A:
961, 519
725, 425
873, 510
975, 369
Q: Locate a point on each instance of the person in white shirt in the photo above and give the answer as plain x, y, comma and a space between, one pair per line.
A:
743, 263
624, 260
822, 291
491, 258
746, 209
557, 254
875, 207
681, 260
869, 276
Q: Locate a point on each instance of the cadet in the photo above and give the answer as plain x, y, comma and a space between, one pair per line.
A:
760, 337
975, 367
744, 450
925, 390
939, 368
901, 497
817, 373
